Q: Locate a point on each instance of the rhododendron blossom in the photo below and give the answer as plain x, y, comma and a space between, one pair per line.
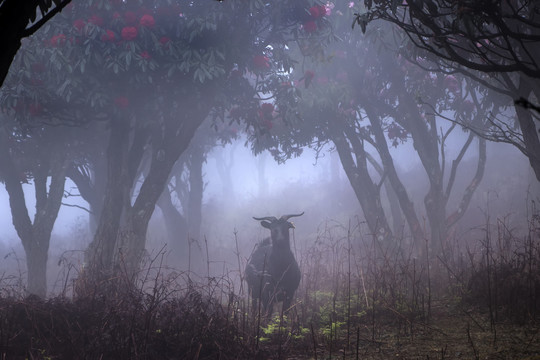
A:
317, 11
235, 112
310, 27
261, 62
451, 83
267, 108
58, 40
129, 33
79, 24
308, 76
121, 102
164, 40
147, 21
96, 20
108, 36
268, 124
145, 55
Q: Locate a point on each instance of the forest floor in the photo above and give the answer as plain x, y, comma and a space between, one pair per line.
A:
197, 327
448, 336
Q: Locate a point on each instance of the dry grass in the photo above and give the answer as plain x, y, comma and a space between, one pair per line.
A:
357, 300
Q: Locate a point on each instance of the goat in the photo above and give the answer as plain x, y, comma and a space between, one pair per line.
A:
272, 273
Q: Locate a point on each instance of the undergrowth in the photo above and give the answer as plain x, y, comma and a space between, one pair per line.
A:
357, 299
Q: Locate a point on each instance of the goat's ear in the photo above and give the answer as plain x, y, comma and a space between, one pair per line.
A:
265, 224
291, 225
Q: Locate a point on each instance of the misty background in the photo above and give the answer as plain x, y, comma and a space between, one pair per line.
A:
310, 183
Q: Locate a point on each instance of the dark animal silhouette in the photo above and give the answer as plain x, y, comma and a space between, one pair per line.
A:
272, 273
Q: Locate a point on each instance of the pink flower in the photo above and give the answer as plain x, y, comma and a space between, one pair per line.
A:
310, 27
108, 36
147, 21
164, 40
235, 74
261, 62
308, 76
314, 11
58, 40
96, 20
235, 112
451, 83
122, 102
129, 33
268, 124
317, 11
79, 24
328, 8
35, 109
145, 55
267, 108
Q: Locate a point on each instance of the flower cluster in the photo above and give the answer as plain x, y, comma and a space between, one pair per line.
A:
58, 40
147, 21
396, 133
316, 12
452, 84
130, 20
109, 36
261, 62
129, 33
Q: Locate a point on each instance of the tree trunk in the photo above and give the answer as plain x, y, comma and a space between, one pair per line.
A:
529, 129
261, 175
196, 186
224, 170
399, 190
367, 193
36, 264
35, 237
100, 252
174, 143
175, 225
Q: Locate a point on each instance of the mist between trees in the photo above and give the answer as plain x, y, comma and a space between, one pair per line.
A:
148, 107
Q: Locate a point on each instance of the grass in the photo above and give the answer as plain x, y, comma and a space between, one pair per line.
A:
357, 300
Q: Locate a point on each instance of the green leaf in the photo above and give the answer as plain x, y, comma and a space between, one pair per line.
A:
128, 59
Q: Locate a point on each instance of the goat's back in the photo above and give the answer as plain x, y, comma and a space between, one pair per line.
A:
257, 267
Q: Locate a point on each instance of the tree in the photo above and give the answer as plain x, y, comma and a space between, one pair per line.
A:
197, 58
18, 20
34, 156
494, 42
367, 99
181, 200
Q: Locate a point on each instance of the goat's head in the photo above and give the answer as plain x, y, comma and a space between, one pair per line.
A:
279, 229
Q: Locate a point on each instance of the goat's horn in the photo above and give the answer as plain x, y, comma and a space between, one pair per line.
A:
287, 217
267, 218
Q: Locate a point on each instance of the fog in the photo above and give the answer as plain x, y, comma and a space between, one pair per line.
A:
312, 183
347, 138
